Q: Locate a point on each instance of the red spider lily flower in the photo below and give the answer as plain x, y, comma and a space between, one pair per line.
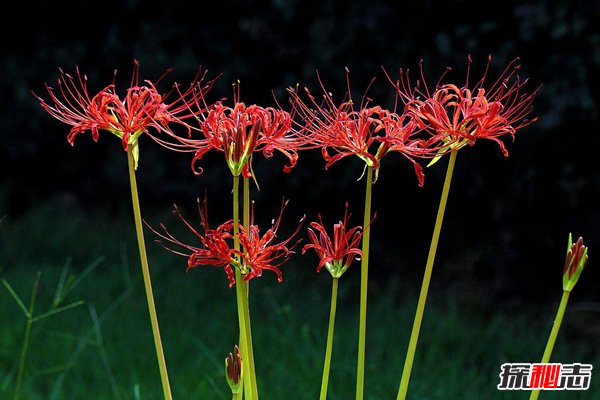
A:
215, 247
399, 135
142, 108
239, 132
260, 252
368, 132
342, 128
575, 261
337, 254
465, 114
234, 370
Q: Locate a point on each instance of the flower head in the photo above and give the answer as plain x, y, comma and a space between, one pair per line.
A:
234, 371
262, 252
217, 249
214, 249
337, 254
464, 114
239, 131
142, 107
399, 134
364, 130
574, 263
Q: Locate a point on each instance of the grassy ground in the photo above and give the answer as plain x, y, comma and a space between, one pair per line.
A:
103, 349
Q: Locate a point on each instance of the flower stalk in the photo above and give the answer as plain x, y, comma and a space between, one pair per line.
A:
330, 333
245, 285
164, 376
414, 336
241, 289
553, 335
576, 260
336, 253
556, 327
364, 278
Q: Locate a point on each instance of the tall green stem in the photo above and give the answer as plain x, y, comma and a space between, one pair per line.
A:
242, 303
250, 370
164, 376
246, 289
414, 336
25, 345
553, 335
246, 211
329, 348
364, 276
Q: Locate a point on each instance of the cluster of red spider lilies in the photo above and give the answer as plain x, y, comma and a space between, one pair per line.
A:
425, 124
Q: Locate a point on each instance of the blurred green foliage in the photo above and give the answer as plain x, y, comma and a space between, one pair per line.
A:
103, 349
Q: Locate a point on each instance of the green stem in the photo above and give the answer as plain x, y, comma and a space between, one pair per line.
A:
246, 210
164, 376
241, 296
242, 339
250, 371
556, 327
328, 350
246, 289
553, 335
414, 336
25, 345
364, 275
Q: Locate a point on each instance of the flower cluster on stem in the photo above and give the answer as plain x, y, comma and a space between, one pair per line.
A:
143, 107
434, 121
460, 116
216, 248
239, 131
335, 254
366, 131
464, 114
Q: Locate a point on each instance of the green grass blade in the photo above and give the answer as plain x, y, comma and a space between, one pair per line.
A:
16, 298
7, 379
57, 311
210, 356
103, 354
72, 285
136, 392
54, 370
216, 388
73, 338
61, 284
56, 390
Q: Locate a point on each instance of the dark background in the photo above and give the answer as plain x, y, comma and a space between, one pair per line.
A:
508, 219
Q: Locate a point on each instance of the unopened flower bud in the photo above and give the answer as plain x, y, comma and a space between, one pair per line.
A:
575, 262
234, 371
